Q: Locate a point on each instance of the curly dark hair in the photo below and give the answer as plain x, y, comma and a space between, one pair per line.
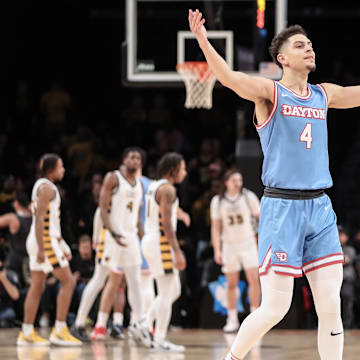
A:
137, 149
278, 41
169, 164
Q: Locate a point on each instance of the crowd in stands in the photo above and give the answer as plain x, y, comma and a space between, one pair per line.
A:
89, 150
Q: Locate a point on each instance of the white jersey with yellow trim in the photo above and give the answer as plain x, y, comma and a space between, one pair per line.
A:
153, 216
52, 217
125, 204
235, 215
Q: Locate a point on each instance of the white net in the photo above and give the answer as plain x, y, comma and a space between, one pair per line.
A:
199, 83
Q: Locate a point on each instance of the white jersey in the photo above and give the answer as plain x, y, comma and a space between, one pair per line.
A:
124, 207
153, 223
52, 217
235, 216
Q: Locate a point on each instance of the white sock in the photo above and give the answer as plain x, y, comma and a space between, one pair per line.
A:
59, 325
27, 329
232, 315
118, 318
102, 319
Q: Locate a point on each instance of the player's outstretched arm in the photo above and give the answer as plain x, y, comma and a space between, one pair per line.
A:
342, 97
248, 87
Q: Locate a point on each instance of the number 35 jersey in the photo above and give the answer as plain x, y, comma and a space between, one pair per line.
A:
235, 216
124, 207
294, 140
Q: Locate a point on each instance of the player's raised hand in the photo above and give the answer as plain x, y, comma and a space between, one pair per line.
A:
196, 23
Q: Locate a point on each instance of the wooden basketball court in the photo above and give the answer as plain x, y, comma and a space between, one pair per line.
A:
200, 345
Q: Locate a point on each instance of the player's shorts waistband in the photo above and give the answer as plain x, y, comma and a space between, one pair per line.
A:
292, 194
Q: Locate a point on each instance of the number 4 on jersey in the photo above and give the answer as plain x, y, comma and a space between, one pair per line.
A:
306, 135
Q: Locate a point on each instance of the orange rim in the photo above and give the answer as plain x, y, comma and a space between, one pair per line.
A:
200, 69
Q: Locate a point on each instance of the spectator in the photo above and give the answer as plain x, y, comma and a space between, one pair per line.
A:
22, 98
200, 171
348, 286
48, 301
159, 114
9, 293
81, 155
135, 114
82, 266
356, 242
7, 194
160, 147
55, 105
201, 226
68, 206
89, 203
19, 227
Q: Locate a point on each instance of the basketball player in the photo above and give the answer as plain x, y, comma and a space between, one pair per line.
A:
119, 297
231, 224
19, 224
118, 269
160, 246
297, 231
147, 280
96, 283
120, 201
48, 252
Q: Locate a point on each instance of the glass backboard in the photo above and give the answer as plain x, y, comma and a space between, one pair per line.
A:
158, 37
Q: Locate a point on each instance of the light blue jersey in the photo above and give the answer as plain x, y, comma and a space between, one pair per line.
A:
296, 235
294, 140
145, 181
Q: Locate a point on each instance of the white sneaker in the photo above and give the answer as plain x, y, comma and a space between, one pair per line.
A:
168, 346
141, 334
231, 326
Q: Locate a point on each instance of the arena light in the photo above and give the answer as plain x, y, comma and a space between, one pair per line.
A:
260, 14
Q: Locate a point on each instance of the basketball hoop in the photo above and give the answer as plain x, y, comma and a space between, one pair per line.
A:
199, 83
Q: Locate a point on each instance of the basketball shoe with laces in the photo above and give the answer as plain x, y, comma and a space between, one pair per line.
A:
99, 333
64, 338
33, 339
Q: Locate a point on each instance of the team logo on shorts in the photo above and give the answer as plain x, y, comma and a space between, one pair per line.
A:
281, 255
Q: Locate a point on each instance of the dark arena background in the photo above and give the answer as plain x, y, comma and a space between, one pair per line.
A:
67, 88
